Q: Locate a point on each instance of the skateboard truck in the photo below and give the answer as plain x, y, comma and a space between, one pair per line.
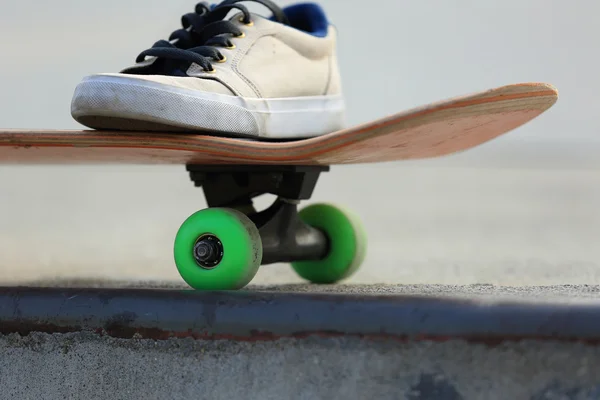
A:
284, 236
222, 246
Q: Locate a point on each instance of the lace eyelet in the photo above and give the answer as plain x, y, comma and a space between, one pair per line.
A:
242, 35
249, 23
230, 47
222, 60
210, 71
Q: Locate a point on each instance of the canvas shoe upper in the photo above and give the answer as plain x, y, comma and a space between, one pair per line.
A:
241, 75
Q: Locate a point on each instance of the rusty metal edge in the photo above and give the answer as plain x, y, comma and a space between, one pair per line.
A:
258, 316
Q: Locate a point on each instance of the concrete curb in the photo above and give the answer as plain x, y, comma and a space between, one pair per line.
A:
266, 316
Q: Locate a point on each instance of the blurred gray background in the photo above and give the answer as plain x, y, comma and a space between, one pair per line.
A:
521, 210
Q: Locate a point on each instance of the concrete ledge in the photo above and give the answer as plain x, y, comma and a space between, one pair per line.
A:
179, 344
162, 314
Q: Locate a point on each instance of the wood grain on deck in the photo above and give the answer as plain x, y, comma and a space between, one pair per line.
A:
436, 129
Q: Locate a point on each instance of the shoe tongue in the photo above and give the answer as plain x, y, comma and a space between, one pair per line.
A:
278, 14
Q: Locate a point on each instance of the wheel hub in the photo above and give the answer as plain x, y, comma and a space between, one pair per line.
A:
208, 251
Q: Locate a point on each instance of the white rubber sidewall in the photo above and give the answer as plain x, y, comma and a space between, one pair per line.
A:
277, 118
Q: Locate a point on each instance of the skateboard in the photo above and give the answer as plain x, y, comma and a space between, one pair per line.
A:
222, 247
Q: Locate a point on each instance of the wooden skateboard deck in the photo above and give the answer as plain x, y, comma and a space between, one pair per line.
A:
436, 129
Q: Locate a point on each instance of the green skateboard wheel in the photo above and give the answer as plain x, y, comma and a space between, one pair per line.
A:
217, 249
347, 244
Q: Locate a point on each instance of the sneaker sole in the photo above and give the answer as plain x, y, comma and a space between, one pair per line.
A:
123, 103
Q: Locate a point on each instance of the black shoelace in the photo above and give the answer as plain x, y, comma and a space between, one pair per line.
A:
204, 31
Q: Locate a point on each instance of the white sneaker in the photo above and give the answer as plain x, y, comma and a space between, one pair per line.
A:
243, 76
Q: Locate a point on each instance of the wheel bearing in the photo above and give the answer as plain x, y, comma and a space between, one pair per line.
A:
208, 251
